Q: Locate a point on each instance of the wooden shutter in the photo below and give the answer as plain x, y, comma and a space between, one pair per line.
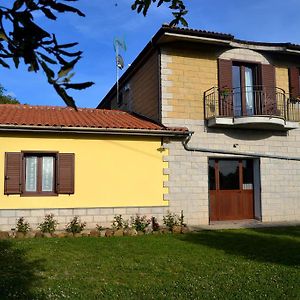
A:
225, 83
13, 173
294, 82
65, 173
268, 82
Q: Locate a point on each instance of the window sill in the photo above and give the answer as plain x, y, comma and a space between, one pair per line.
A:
38, 194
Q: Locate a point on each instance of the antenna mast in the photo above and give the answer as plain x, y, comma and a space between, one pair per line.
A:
118, 43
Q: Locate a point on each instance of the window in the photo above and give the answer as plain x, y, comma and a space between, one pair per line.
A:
39, 173
230, 174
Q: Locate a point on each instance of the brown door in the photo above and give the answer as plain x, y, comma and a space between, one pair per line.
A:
231, 189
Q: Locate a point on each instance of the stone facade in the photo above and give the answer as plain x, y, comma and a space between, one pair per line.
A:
188, 179
92, 216
185, 77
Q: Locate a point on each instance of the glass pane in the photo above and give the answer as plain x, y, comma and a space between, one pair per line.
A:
249, 91
229, 175
211, 174
47, 173
247, 175
31, 174
236, 84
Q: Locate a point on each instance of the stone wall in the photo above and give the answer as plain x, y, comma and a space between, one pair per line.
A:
188, 179
92, 216
186, 74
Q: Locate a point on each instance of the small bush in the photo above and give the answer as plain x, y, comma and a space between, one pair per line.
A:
170, 220
49, 225
22, 225
119, 223
154, 223
139, 223
181, 220
75, 226
99, 227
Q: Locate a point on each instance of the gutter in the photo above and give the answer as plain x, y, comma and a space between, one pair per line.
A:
83, 130
217, 151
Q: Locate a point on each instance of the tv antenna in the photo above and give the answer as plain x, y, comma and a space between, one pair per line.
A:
119, 44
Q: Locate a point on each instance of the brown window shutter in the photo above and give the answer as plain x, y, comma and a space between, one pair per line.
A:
65, 173
268, 82
294, 81
225, 83
13, 173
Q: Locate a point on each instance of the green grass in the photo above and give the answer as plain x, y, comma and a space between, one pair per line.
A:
228, 264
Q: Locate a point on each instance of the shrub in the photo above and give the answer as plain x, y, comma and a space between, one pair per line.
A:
181, 220
75, 226
119, 222
139, 222
154, 223
22, 225
171, 220
49, 225
99, 227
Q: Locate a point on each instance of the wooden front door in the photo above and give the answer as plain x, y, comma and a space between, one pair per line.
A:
231, 189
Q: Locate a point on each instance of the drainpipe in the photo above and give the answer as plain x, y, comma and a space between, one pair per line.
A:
217, 151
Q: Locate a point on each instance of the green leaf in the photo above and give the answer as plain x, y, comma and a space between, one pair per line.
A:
78, 86
63, 94
16, 61
46, 58
48, 13
66, 45
63, 8
50, 74
68, 67
4, 64
3, 36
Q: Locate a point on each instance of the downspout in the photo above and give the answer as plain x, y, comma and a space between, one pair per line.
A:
217, 151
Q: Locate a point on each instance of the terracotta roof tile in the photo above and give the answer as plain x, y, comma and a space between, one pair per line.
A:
55, 116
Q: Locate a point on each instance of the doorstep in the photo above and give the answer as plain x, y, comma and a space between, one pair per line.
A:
238, 224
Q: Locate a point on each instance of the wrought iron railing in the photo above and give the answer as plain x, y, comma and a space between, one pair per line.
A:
251, 101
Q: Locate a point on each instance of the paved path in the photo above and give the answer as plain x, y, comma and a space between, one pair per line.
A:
243, 224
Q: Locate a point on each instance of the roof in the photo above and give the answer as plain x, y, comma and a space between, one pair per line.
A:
170, 34
222, 36
56, 117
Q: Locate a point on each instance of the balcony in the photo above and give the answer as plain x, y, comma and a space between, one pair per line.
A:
253, 107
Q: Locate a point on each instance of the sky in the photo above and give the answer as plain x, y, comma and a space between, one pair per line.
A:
257, 20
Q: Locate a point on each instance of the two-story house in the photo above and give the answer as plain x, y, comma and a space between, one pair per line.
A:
240, 101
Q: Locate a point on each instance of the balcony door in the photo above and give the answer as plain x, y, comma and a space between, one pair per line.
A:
243, 83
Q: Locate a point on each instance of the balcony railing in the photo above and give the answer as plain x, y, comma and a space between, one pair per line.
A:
251, 101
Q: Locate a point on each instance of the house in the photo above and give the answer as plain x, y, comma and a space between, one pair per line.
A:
240, 101
91, 163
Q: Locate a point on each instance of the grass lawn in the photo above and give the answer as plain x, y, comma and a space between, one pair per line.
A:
227, 264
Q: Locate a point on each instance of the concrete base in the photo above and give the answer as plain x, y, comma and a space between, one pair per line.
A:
219, 225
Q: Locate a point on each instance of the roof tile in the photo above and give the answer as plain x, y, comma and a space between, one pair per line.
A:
56, 116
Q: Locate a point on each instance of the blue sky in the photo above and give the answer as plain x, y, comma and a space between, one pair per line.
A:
259, 20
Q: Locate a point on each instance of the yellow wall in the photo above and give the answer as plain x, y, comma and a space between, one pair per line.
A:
109, 171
